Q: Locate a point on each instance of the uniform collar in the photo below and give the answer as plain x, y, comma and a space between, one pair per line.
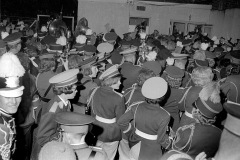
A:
79, 146
5, 114
64, 102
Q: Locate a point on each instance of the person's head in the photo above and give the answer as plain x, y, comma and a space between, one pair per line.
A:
202, 76
90, 71
14, 42
154, 90
111, 77
73, 61
74, 126
64, 84
46, 64
143, 75
171, 45
174, 76
10, 88
129, 54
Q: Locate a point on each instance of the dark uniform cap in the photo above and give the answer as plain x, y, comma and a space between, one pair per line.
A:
235, 56
55, 47
174, 72
155, 66
88, 62
111, 36
210, 55
13, 38
89, 49
125, 43
196, 138
79, 47
48, 40
200, 63
136, 42
218, 49
73, 122
208, 108
186, 42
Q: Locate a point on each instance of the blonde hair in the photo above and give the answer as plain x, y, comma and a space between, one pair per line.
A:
202, 76
73, 61
110, 81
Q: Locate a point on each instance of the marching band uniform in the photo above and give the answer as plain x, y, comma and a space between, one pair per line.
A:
173, 76
107, 106
47, 127
150, 123
129, 71
7, 129
11, 92
77, 123
196, 138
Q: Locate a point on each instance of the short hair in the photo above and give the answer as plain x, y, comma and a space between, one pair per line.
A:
171, 45
202, 75
73, 61
86, 71
63, 90
155, 101
143, 75
46, 65
110, 81
13, 46
180, 63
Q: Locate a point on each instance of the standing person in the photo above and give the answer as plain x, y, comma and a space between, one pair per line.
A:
74, 129
129, 70
200, 136
64, 88
10, 97
133, 95
150, 122
14, 42
107, 106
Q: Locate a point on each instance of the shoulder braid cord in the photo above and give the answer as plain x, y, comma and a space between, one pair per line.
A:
90, 99
189, 142
183, 99
134, 123
131, 94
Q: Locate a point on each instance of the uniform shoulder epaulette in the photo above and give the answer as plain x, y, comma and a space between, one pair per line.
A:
95, 148
118, 93
54, 107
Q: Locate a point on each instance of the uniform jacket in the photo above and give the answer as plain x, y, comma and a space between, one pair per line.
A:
83, 152
133, 94
150, 119
7, 136
47, 127
85, 89
231, 88
196, 138
129, 73
172, 105
187, 104
108, 104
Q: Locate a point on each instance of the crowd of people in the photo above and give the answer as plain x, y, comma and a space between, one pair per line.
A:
146, 97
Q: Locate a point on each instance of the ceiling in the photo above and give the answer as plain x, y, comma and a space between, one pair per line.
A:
185, 1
